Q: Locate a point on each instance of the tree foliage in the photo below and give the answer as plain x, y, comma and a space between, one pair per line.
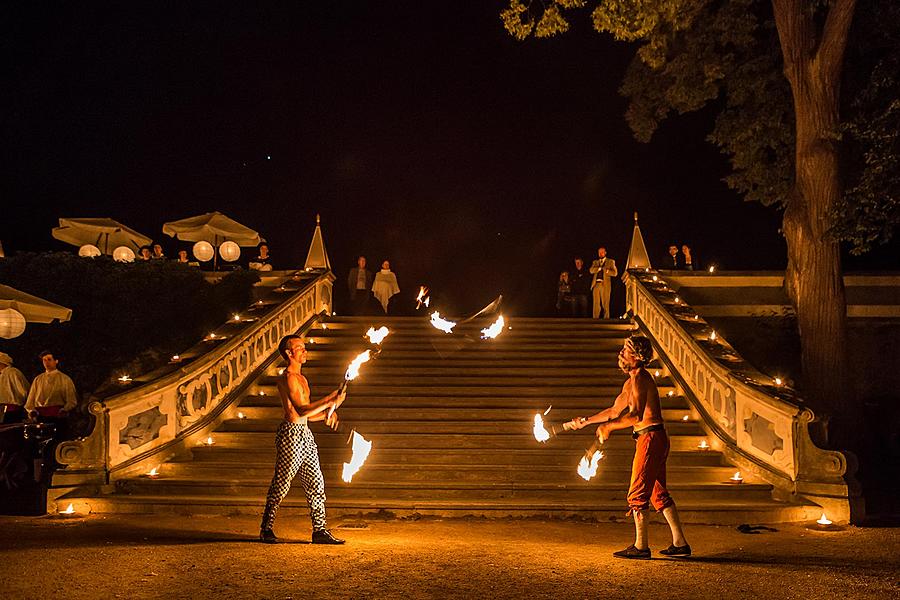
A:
695, 52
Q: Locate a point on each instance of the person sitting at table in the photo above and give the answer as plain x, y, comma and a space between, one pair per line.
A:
13, 391
263, 262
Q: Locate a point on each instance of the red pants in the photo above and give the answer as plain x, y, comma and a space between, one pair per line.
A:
648, 473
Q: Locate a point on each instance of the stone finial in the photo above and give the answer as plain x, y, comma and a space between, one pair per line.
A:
635, 217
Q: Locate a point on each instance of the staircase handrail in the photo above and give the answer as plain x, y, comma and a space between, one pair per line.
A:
178, 406
759, 424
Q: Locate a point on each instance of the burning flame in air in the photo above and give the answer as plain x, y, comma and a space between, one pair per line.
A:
70, 510
353, 370
540, 432
376, 336
361, 449
439, 322
823, 520
422, 298
427, 302
588, 468
494, 330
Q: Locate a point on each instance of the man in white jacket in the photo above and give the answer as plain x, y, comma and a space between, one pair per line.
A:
604, 269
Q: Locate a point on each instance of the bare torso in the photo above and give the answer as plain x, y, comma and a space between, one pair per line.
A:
646, 404
290, 410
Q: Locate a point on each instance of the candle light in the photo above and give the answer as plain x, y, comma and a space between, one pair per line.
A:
736, 478
677, 300
153, 473
124, 379
696, 317
237, 317
685, 417
703, 445
712, 268
655, 278
778, 381
241, 415
823, 520
209, 441
656, 373
712, 336
670, 393
176, 358
70, 510
261, 393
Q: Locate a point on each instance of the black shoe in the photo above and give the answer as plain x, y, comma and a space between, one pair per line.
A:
632, 552
267, 536
323, 536
674, 550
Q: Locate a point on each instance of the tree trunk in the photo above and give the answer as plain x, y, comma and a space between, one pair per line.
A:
814, 279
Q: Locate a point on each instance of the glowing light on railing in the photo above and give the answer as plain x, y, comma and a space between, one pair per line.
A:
124, 379
779, 381
237, 317
176, 358
655, 278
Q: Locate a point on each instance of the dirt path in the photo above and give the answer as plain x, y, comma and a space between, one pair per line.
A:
183, 557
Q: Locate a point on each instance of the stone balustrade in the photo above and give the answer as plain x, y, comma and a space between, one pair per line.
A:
151, 422
757, 422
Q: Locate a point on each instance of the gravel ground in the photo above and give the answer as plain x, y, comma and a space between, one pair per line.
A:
203, 557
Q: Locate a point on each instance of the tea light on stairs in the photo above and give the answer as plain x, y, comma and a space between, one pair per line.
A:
670, 393
153, 473
236, 317
779, 381
70, 510
656, 373
736, 478
175, 358
712, 336
209, 441
124, 379
703, 445
686, 418
241, 415
823, 520
655, 278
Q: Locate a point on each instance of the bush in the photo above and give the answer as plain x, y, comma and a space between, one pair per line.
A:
122, 313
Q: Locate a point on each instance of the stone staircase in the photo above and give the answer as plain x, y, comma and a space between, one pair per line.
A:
450, 418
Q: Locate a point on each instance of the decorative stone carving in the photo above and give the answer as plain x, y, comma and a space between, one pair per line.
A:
762, 434
142, 428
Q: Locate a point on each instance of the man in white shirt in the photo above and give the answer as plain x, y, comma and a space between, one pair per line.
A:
13, 390
52, 392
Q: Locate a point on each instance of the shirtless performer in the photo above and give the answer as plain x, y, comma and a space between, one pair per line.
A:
638, 406
295, 447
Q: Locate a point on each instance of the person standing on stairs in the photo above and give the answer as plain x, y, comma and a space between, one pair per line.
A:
638, 406
295, 446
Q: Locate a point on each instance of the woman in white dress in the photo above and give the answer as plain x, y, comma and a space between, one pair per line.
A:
385, 285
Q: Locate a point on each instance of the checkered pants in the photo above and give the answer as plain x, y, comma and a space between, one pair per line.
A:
296, 451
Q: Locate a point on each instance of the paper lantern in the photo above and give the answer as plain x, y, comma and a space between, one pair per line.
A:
12, 323
229, 251
123, 254
203, 251
89, 250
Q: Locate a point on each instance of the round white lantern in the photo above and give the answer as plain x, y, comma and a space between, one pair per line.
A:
123, 254
203, 251
229, 251
12, 323
89, 250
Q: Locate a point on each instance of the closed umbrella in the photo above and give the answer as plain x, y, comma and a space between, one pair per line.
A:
34, 309
106, 234
213, 227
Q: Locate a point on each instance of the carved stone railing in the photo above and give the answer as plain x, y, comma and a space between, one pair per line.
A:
759, 424
153, 421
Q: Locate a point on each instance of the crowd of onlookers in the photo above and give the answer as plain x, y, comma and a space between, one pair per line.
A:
581, 286
261, 262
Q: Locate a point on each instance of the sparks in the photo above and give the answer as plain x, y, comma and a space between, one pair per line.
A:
587, 468
353, 370
361, 449
540, 432
376, 336
439, 322
494, 330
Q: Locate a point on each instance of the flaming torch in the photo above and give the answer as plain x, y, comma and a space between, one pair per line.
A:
361, 449
494, 330
422, 298
376, 336
441, 323
540, 431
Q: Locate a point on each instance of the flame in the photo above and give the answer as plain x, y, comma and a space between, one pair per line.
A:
427, 302
70, 510
237, 317
548, 410
823, 520
376, 336
361, 449
422, 298
588, 468
439, 322
712, 336
712, 268
685, 418
494, 330
210, 441
703, 445
154, 472
778, 381
124, 379
175, 358
353, 370
241, 415
737, 477
540, 433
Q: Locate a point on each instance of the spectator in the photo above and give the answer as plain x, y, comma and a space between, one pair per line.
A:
564, 299
262, 262
52, 392
183, 257
688, 260
359, 282
13, 391
604, 269
580, 279
145, 253
672, 260
385, 285
157, 252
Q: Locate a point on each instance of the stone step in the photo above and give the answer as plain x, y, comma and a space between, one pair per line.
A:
439, 427
262, 442
696, 512
383, 369
585, 405
544, 456
352, 412
446, 490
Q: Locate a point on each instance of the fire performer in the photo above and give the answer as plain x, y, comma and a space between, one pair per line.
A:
638, 406
295, 447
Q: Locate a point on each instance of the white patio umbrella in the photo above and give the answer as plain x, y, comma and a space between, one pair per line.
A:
34, 309
106, 234
213, 227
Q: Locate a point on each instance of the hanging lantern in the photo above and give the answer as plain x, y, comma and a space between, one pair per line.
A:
203, 251
229, 251
12, 323
123, 254
89, 250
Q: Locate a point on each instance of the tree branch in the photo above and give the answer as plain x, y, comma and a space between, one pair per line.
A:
830, 55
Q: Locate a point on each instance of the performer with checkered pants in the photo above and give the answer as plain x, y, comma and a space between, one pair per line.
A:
295, 446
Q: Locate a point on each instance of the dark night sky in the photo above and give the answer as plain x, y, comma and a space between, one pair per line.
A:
419, 130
